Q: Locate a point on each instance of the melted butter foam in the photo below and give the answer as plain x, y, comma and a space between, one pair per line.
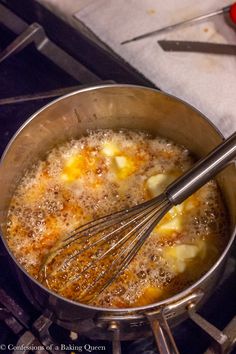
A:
82, 180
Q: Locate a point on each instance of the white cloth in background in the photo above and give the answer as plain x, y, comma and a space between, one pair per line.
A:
206, 81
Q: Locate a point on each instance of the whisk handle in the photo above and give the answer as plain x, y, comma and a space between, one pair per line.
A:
202, 171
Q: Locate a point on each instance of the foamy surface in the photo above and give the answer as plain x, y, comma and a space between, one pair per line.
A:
82, 180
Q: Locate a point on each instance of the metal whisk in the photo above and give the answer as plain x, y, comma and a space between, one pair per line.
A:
91, 257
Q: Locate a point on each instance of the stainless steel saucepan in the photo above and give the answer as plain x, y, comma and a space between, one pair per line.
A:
117, 106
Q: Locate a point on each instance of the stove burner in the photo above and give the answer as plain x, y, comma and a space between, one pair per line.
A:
36, 34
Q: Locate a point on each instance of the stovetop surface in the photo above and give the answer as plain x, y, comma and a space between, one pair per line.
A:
29, 72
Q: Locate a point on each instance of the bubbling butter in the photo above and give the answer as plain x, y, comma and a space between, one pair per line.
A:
103, 172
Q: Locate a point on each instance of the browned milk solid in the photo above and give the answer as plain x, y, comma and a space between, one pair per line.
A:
104, 172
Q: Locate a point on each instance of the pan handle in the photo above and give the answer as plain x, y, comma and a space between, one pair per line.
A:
162, 334
161, 331
116, 346
160, 328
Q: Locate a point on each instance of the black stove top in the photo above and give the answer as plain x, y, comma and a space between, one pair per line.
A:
29, 73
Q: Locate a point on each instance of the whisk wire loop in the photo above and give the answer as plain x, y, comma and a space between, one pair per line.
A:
126, 233
145, 216
82, 232
130, 251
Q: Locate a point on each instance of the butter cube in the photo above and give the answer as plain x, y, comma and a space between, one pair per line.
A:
176, 210
173, 225
121, 162
186, 251
157, 184
110, 150
178, 256
124, 166
191, 203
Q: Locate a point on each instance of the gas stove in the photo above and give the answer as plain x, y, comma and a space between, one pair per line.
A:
35, 67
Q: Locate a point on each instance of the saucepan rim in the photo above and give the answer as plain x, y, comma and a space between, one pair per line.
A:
129, 310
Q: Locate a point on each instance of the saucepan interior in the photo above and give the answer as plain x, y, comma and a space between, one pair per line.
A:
112, 106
